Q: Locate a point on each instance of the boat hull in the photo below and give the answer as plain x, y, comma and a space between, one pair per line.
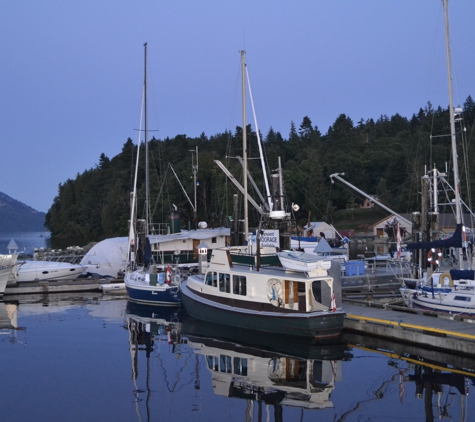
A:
440, 307
47, 270
5, 273
158, 295
319, 325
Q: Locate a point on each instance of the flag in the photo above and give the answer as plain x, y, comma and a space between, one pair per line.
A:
333, 303
398, 240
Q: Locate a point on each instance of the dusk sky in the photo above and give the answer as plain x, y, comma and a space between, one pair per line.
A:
72, 72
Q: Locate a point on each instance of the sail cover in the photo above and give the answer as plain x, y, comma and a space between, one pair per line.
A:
452, 242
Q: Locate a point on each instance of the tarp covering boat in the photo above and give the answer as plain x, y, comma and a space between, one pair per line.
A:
462, 274
452, 242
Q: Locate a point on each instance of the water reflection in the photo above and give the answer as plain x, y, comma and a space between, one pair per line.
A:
275, 376
137, 362
262, 377
155, 332
284, 373
434, 376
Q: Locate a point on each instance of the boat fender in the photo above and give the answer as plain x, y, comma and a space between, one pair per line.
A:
433, 256
274, 291
443, 277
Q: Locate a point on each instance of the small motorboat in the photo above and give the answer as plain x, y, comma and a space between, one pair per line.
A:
303, 261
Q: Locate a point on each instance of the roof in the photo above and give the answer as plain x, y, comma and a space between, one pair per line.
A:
445, 219
199, 234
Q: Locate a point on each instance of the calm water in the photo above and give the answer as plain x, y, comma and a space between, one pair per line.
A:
26, 241
100, 358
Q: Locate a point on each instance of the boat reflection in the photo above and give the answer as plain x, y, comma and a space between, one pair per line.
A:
436, 376
283, 373
156, 332
8, 316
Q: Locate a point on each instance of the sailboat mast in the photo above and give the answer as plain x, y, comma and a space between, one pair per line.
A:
458, 217
147, 188
244, 144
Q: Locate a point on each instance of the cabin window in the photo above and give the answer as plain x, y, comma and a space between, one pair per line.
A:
318, 374
317, 290
224, 283
239, 285
462, 298
240, 366
225, 364
211, 278
213, 363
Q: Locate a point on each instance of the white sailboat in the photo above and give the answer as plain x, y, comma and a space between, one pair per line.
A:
454, 290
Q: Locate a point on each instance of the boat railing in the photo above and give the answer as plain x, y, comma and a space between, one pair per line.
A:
159, 228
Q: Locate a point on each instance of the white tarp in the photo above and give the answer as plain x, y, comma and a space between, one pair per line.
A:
107, 257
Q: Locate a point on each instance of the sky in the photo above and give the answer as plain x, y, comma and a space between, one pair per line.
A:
71, 72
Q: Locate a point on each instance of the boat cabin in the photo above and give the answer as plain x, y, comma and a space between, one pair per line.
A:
236, 279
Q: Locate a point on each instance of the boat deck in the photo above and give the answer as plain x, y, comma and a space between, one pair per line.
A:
441, 332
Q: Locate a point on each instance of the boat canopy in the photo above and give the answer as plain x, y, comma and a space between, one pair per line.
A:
462, 274
452, 242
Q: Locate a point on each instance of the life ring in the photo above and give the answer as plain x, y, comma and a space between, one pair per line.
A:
274, 291
443, 277
433, 257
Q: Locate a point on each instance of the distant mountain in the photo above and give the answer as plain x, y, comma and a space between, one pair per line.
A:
18, 217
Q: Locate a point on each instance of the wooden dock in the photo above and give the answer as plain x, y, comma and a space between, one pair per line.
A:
439, 332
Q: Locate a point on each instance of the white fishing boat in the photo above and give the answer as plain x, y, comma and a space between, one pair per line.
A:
268, 299
245, 286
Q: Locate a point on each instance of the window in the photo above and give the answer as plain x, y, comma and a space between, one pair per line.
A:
212, 363
239, 285
224, 283
317, 290
462, 298
225, 363
213, 240
240, 366
211, 278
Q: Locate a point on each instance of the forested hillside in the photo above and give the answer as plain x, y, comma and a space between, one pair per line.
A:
18, 217
384, 157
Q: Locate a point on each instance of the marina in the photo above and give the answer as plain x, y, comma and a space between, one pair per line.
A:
105, 357
277, 322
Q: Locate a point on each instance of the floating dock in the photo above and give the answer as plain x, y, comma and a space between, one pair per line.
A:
446, 333
60, 286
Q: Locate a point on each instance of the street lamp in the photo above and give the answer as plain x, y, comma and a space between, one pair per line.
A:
202, 256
